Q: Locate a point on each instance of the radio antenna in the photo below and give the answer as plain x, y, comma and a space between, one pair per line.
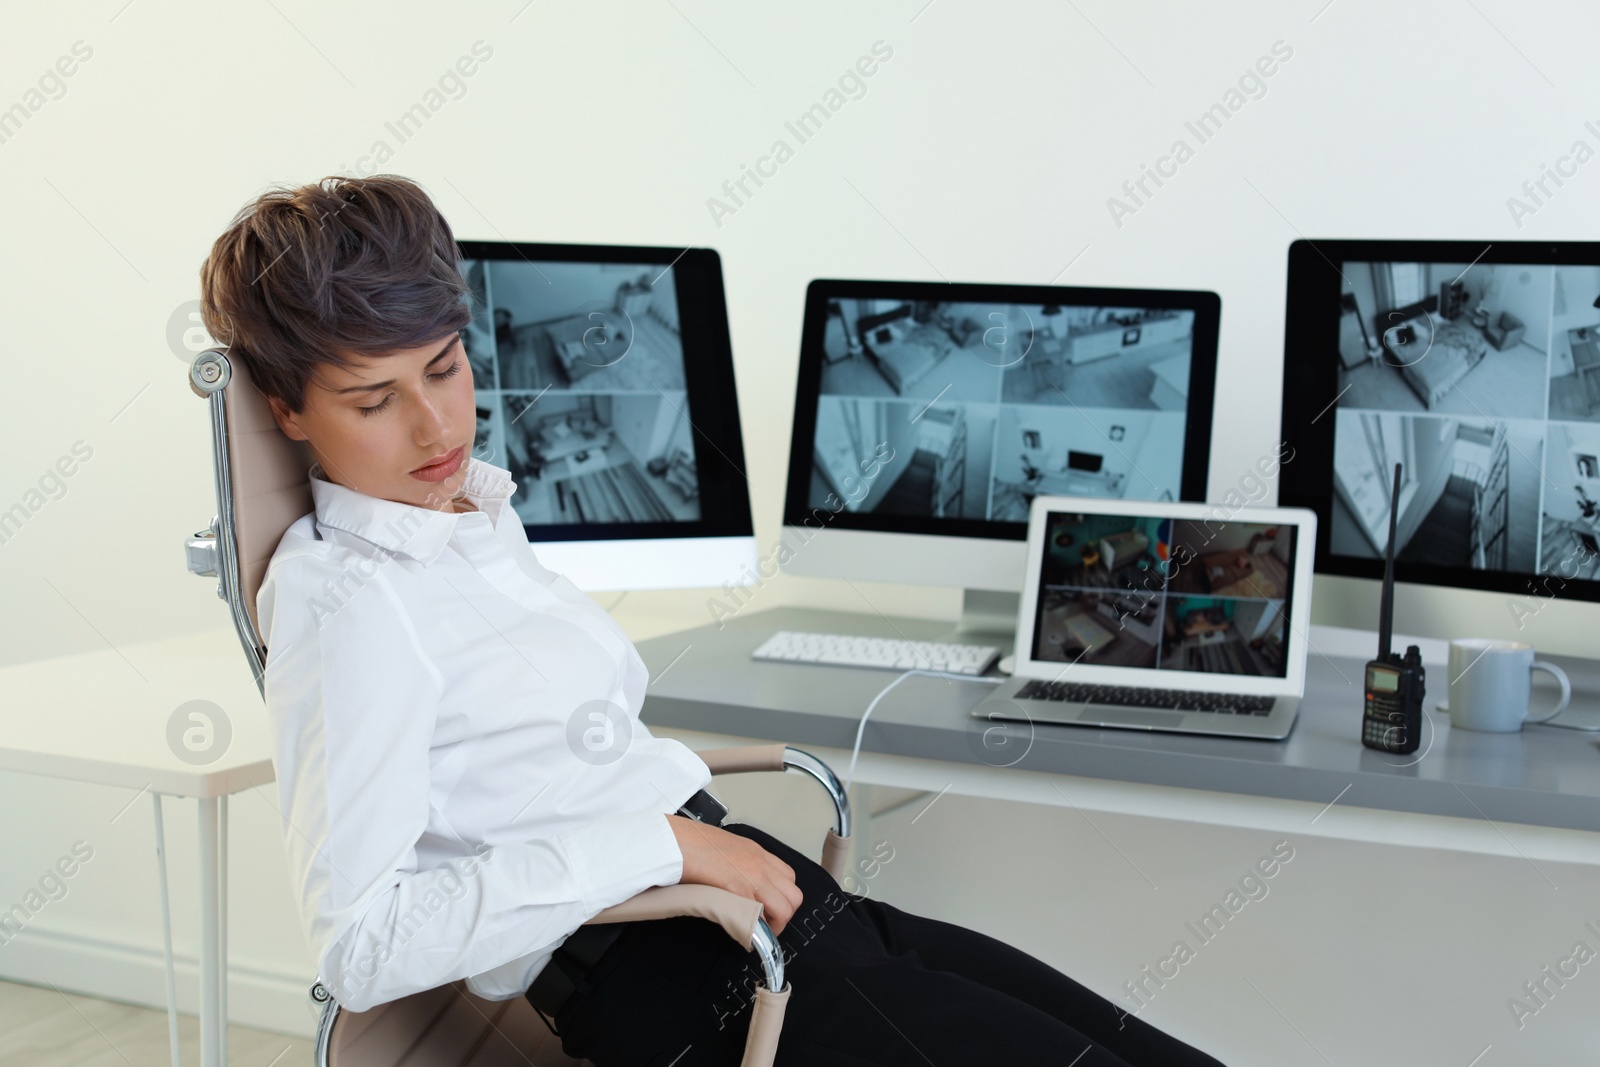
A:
1386, 607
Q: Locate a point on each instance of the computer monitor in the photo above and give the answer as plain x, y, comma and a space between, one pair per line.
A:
1476, 366
604, 384
1090, 462
929, 415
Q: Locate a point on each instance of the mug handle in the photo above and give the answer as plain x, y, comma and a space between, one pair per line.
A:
1566, 690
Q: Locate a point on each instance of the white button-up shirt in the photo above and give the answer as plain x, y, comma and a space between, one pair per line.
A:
463, 775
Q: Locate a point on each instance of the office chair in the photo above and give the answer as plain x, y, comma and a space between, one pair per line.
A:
262, 488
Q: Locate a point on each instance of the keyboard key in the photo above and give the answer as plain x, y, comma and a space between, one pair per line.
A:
882, 653
1142, 697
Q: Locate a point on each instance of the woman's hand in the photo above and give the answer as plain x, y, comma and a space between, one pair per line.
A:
713, 856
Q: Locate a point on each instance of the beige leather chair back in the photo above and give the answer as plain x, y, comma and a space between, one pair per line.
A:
443, 1027
448, 1026
270, 490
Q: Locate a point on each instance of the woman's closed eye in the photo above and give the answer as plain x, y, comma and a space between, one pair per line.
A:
454, 369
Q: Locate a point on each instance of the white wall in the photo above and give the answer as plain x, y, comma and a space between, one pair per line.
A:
985, 148
1578, 284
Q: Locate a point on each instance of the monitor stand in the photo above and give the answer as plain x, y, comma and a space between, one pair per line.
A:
988, 617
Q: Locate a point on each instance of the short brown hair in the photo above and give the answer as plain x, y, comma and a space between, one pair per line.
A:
305, 276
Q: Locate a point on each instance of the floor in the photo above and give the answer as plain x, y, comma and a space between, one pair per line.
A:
40, 1027
1445, 537
642, 497
620, 492
963, 375
1120, 381
1268, 578
1570, 397
1009, 503
1509, 384
912, 492
1563, 554
1232, 656
655, 361
645, 497
1527, 478
1124, 649
1131, 576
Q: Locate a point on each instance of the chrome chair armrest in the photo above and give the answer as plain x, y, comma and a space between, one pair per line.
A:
744, 759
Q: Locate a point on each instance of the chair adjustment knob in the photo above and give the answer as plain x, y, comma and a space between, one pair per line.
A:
209, 372
201, 553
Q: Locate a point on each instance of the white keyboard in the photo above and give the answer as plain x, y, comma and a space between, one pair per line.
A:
884, 653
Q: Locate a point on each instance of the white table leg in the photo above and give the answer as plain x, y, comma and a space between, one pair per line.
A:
166, 934
210, 959
222, 924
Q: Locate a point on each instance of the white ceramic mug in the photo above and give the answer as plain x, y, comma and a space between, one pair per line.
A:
1490, 682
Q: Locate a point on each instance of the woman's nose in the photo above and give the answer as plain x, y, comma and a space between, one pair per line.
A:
432, 425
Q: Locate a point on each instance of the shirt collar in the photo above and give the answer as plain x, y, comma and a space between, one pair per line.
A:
406, 529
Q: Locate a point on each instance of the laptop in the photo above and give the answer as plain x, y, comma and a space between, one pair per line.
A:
1155, 615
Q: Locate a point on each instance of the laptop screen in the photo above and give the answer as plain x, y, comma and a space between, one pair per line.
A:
1207, 596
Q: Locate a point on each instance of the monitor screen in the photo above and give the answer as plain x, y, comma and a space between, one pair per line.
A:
604, 384
944, 409
1473, 366
1207, 596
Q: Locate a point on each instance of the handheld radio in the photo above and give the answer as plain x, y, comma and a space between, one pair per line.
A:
1391, 720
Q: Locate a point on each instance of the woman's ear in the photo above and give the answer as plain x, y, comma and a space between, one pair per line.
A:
286, 420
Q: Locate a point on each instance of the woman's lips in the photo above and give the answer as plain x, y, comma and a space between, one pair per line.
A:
438, 472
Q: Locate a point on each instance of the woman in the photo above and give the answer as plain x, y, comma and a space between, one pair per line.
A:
463, 775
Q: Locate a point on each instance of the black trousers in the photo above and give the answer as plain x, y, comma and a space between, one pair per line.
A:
872, 984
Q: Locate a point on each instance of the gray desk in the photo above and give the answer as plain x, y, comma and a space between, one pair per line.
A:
704, 680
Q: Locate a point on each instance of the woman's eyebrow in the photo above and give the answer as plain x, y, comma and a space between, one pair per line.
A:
384, 385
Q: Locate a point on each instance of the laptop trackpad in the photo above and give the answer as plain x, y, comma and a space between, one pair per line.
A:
1119, 716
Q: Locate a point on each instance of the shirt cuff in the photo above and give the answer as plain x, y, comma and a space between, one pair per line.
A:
619, 856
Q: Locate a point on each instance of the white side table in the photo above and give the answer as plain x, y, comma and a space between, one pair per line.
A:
105, 717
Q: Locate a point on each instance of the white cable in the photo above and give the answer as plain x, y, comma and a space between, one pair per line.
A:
1568, 726
862, 726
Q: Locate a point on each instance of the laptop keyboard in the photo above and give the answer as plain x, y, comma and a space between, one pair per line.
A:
1133, 696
